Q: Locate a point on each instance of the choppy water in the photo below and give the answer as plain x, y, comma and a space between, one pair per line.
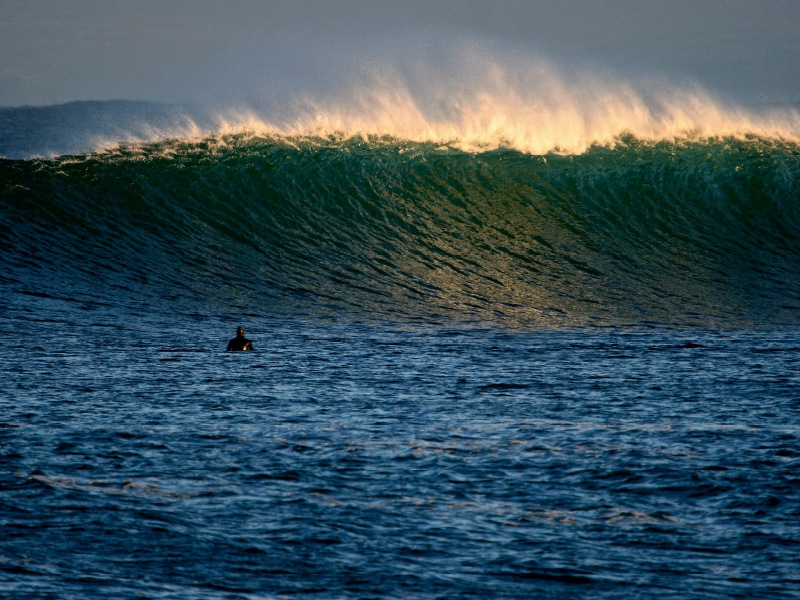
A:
488, 375
139, 460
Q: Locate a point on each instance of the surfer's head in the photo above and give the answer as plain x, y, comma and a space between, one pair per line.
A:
239, 332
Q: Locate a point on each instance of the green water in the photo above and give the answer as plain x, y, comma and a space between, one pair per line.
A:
697, 232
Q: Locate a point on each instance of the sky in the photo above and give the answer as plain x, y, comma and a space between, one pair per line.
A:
56, 51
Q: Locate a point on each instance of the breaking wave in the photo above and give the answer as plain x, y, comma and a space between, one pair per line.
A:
698, 231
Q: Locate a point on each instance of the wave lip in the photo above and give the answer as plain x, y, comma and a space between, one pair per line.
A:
476, 101
556, 116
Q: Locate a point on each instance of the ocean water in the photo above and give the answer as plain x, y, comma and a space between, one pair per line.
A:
480, 371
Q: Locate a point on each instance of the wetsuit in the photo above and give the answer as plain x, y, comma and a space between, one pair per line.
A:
240, 343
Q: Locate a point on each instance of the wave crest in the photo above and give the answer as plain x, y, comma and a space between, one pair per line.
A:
534, 108
473, 100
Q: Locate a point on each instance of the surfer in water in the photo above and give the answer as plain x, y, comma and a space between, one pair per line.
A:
240, 342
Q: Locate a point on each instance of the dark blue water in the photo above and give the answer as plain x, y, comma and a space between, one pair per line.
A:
345, 459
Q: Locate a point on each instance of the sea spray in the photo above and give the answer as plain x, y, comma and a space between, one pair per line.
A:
476, 100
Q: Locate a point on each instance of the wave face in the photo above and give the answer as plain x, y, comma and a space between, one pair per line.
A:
693, 232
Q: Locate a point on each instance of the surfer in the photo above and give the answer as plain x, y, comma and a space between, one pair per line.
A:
240, 342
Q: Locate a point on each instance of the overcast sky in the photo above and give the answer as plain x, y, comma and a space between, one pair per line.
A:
191, 50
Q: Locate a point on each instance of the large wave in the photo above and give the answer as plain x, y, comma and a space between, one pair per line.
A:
693, 232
